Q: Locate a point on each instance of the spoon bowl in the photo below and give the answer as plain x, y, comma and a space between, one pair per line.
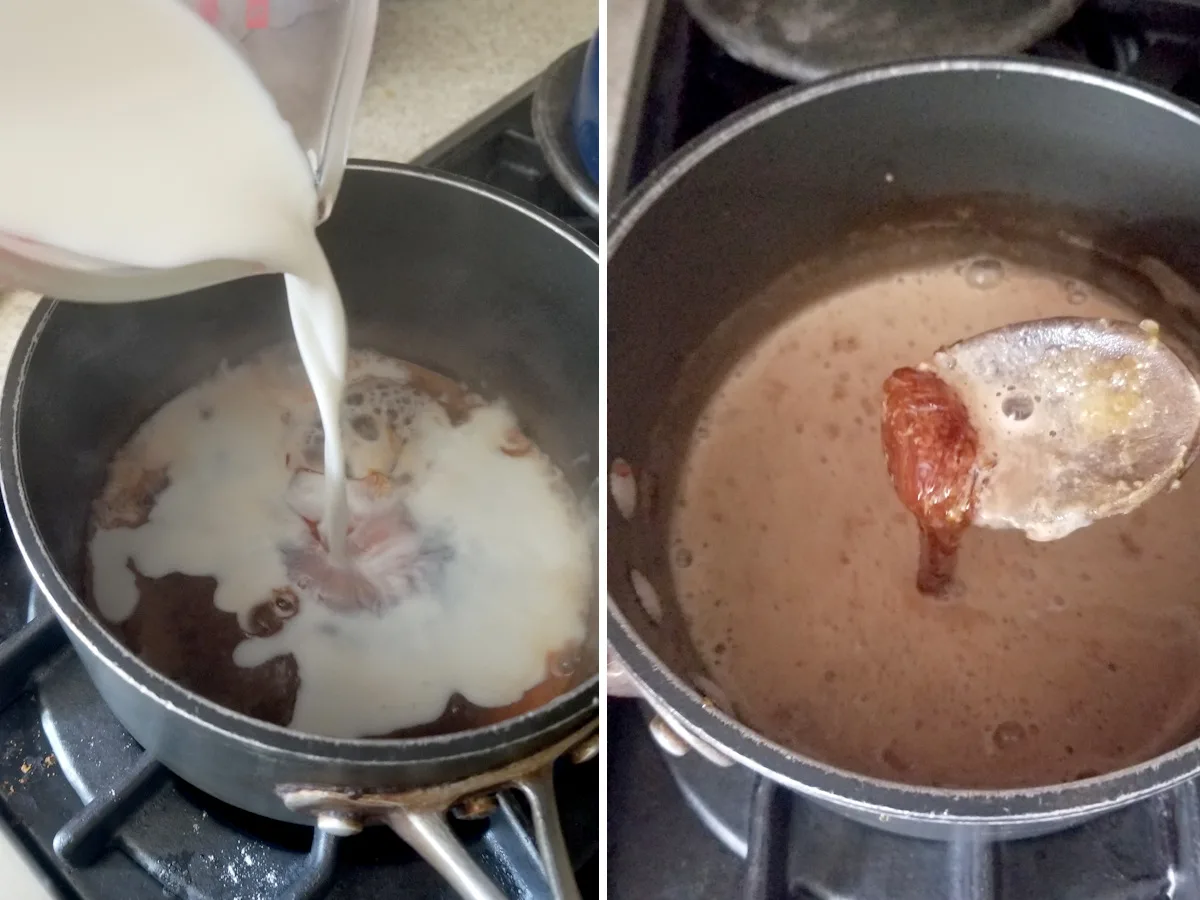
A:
1077, 420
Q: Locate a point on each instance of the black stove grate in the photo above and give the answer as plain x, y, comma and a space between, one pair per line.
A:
500, 150
682, 829
727, 833
102, 820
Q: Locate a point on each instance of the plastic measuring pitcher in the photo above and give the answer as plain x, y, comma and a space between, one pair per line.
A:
311, 55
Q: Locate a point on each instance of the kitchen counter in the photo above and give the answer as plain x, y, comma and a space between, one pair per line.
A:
436, 65
439, 63
626, 19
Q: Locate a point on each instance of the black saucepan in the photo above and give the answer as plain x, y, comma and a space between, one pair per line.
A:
433, 269
786, 181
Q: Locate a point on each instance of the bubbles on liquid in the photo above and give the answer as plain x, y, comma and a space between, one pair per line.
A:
894, 759
1008, 734
377, 409
1017, 407
365, 427
683, 557
286, 602
984, 273
1077, 294
565, 664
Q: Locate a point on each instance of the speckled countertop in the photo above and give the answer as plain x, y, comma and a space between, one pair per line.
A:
438, 63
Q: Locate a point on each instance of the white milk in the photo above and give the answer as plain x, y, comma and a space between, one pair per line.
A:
130, 131
473, 564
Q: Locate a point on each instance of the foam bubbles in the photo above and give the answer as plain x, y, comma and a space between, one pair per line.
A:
1077, 294
683, 556
1008, 734
1018, 407
984, 273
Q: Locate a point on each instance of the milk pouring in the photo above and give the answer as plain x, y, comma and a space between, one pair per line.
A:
148, 142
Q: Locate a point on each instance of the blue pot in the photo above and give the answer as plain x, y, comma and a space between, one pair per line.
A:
585, 114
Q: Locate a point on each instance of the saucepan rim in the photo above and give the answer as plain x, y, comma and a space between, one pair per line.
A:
87, 629
941, 806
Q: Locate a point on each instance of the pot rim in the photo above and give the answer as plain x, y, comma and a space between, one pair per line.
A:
201, 712
833, 785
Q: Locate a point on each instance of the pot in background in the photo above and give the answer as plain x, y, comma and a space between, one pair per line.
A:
585, 112
566, 122
786, 180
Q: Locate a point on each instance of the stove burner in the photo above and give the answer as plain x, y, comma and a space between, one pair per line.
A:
143, 833
730, 833
787, 839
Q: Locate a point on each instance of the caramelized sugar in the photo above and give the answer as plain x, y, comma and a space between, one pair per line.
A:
931, 451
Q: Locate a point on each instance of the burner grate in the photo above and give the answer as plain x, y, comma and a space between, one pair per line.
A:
798, 850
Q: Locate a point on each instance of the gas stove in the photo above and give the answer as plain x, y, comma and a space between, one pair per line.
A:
85, 814
683, 829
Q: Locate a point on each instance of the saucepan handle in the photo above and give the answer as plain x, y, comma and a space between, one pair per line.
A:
427, 832
419, 816
538, 789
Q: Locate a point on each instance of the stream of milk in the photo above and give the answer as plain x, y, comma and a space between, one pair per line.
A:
131, 132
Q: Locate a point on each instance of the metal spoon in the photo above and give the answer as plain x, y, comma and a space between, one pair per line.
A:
1077, 420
